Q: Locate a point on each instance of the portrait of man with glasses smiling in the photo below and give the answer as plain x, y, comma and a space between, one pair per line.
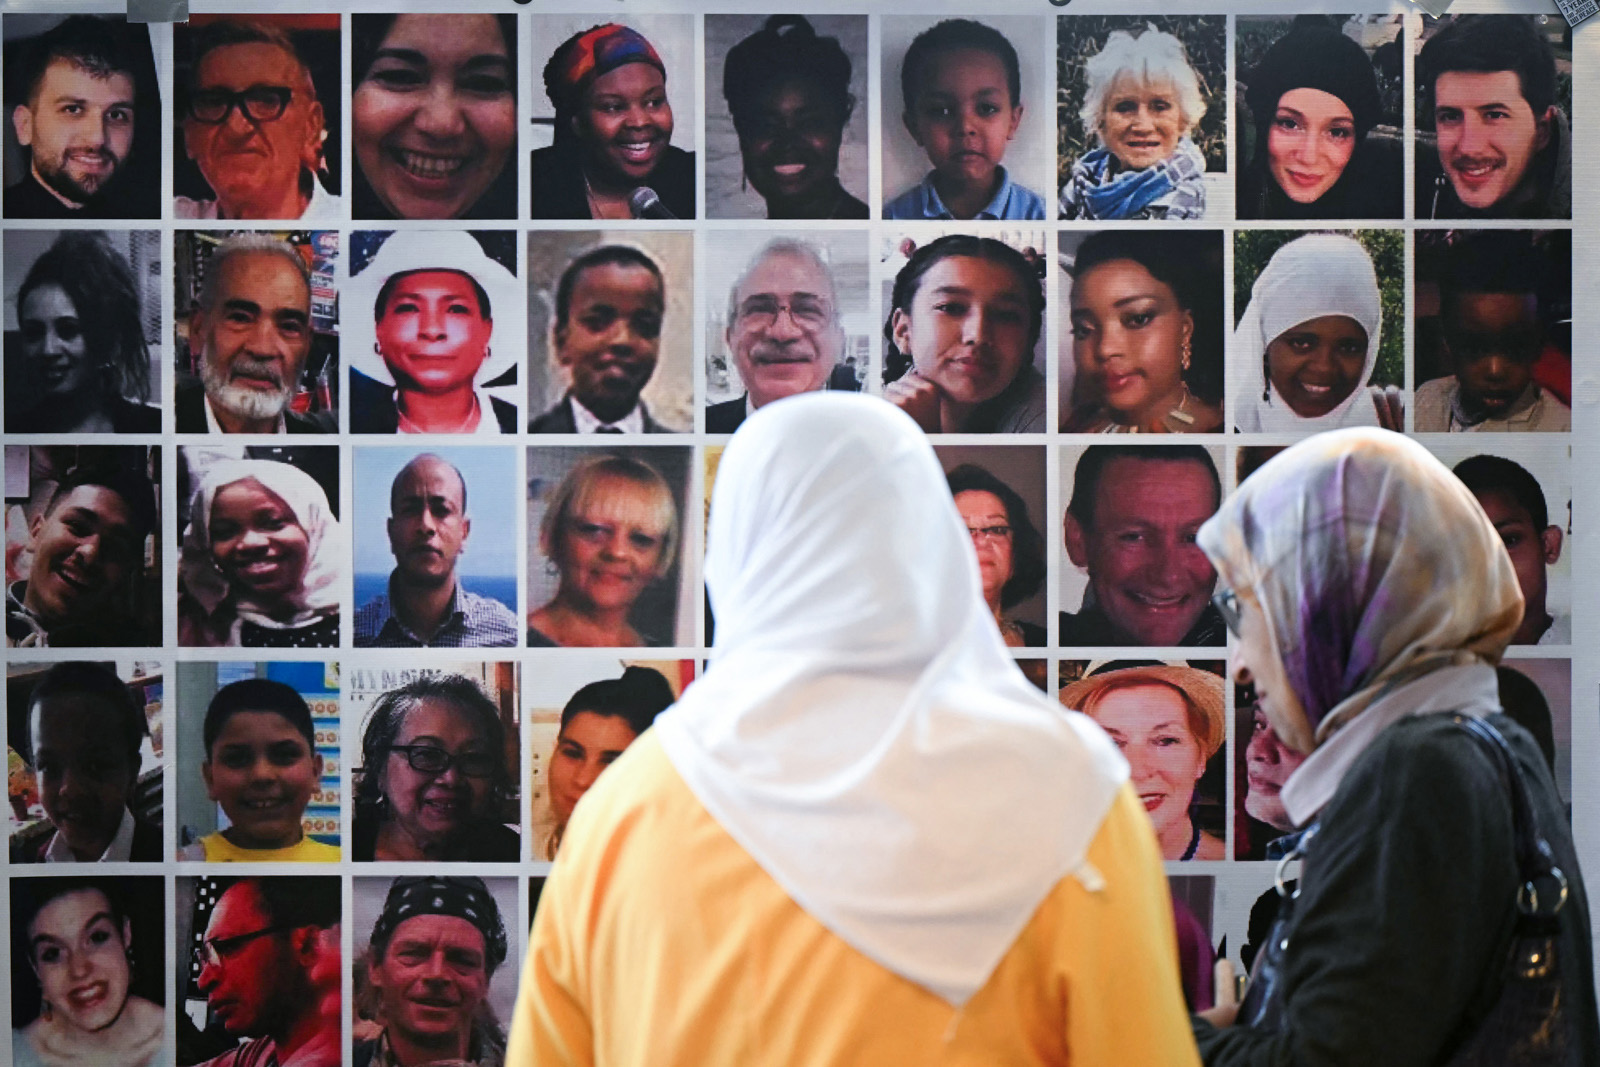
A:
267, 964
784, 333
253, 125
434, 781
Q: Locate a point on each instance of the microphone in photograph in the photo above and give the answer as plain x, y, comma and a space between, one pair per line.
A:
645, 204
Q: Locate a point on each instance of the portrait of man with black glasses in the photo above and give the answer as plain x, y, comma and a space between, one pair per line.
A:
435, 782
253, 125
266, 960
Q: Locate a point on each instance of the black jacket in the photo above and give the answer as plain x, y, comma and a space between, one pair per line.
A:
725, 417
478, 842
189, 405
1406, 906
559, 191
127, 416
559, 419
1371, 187
29, 200
1545, 191
146, 846
372, 408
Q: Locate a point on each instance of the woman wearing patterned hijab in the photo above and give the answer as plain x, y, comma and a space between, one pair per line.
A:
1371, 599
613, 132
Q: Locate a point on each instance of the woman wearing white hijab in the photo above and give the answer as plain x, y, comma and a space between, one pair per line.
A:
260, 561
862, 836
1308, 342
1372, 599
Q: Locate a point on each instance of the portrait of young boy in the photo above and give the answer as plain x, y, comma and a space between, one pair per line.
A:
261, 767
961, 88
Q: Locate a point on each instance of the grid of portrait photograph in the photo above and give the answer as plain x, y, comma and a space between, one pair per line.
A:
308, 718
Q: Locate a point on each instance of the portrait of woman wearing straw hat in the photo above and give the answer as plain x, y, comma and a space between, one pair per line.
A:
421, 318
1167, 718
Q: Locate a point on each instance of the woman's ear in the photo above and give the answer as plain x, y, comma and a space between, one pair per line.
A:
900, 331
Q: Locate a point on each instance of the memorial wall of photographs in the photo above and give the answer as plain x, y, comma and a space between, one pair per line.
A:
252, 618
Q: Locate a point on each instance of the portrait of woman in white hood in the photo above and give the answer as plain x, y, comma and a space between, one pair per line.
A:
1305, 349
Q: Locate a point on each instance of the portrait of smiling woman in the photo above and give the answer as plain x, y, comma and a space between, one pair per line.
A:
1310, 347
85, 981
429, 302
789, 89
1145, 330
1167, 718
434, 116
261, 563
608, 536
613, 131
1141, 116
434, 773
1314, 100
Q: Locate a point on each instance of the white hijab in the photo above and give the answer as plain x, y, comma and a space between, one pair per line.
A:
1312, 276
862, 731
199, 576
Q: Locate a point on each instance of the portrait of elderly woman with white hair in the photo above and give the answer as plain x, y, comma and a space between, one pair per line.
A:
1142, 102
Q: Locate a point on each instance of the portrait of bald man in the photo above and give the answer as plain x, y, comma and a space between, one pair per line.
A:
423, 602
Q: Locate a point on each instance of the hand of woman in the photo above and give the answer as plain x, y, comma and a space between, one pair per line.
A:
1226, 1009
1391, 407
917, 397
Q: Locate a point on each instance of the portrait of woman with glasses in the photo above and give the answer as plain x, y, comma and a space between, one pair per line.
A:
433, 773
1009, 547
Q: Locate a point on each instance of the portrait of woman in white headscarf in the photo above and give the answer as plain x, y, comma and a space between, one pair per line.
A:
260, 564
1372, 599
825, 800
1307, 345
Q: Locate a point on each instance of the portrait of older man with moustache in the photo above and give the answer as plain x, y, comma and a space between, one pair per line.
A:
250, 333
784, 332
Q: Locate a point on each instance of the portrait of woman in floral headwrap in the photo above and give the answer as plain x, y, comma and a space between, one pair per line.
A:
613, 132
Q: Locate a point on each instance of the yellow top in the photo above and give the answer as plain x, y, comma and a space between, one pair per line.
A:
307, 850
659, 941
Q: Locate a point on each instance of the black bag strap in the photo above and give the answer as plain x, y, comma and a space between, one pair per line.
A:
1536, 865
